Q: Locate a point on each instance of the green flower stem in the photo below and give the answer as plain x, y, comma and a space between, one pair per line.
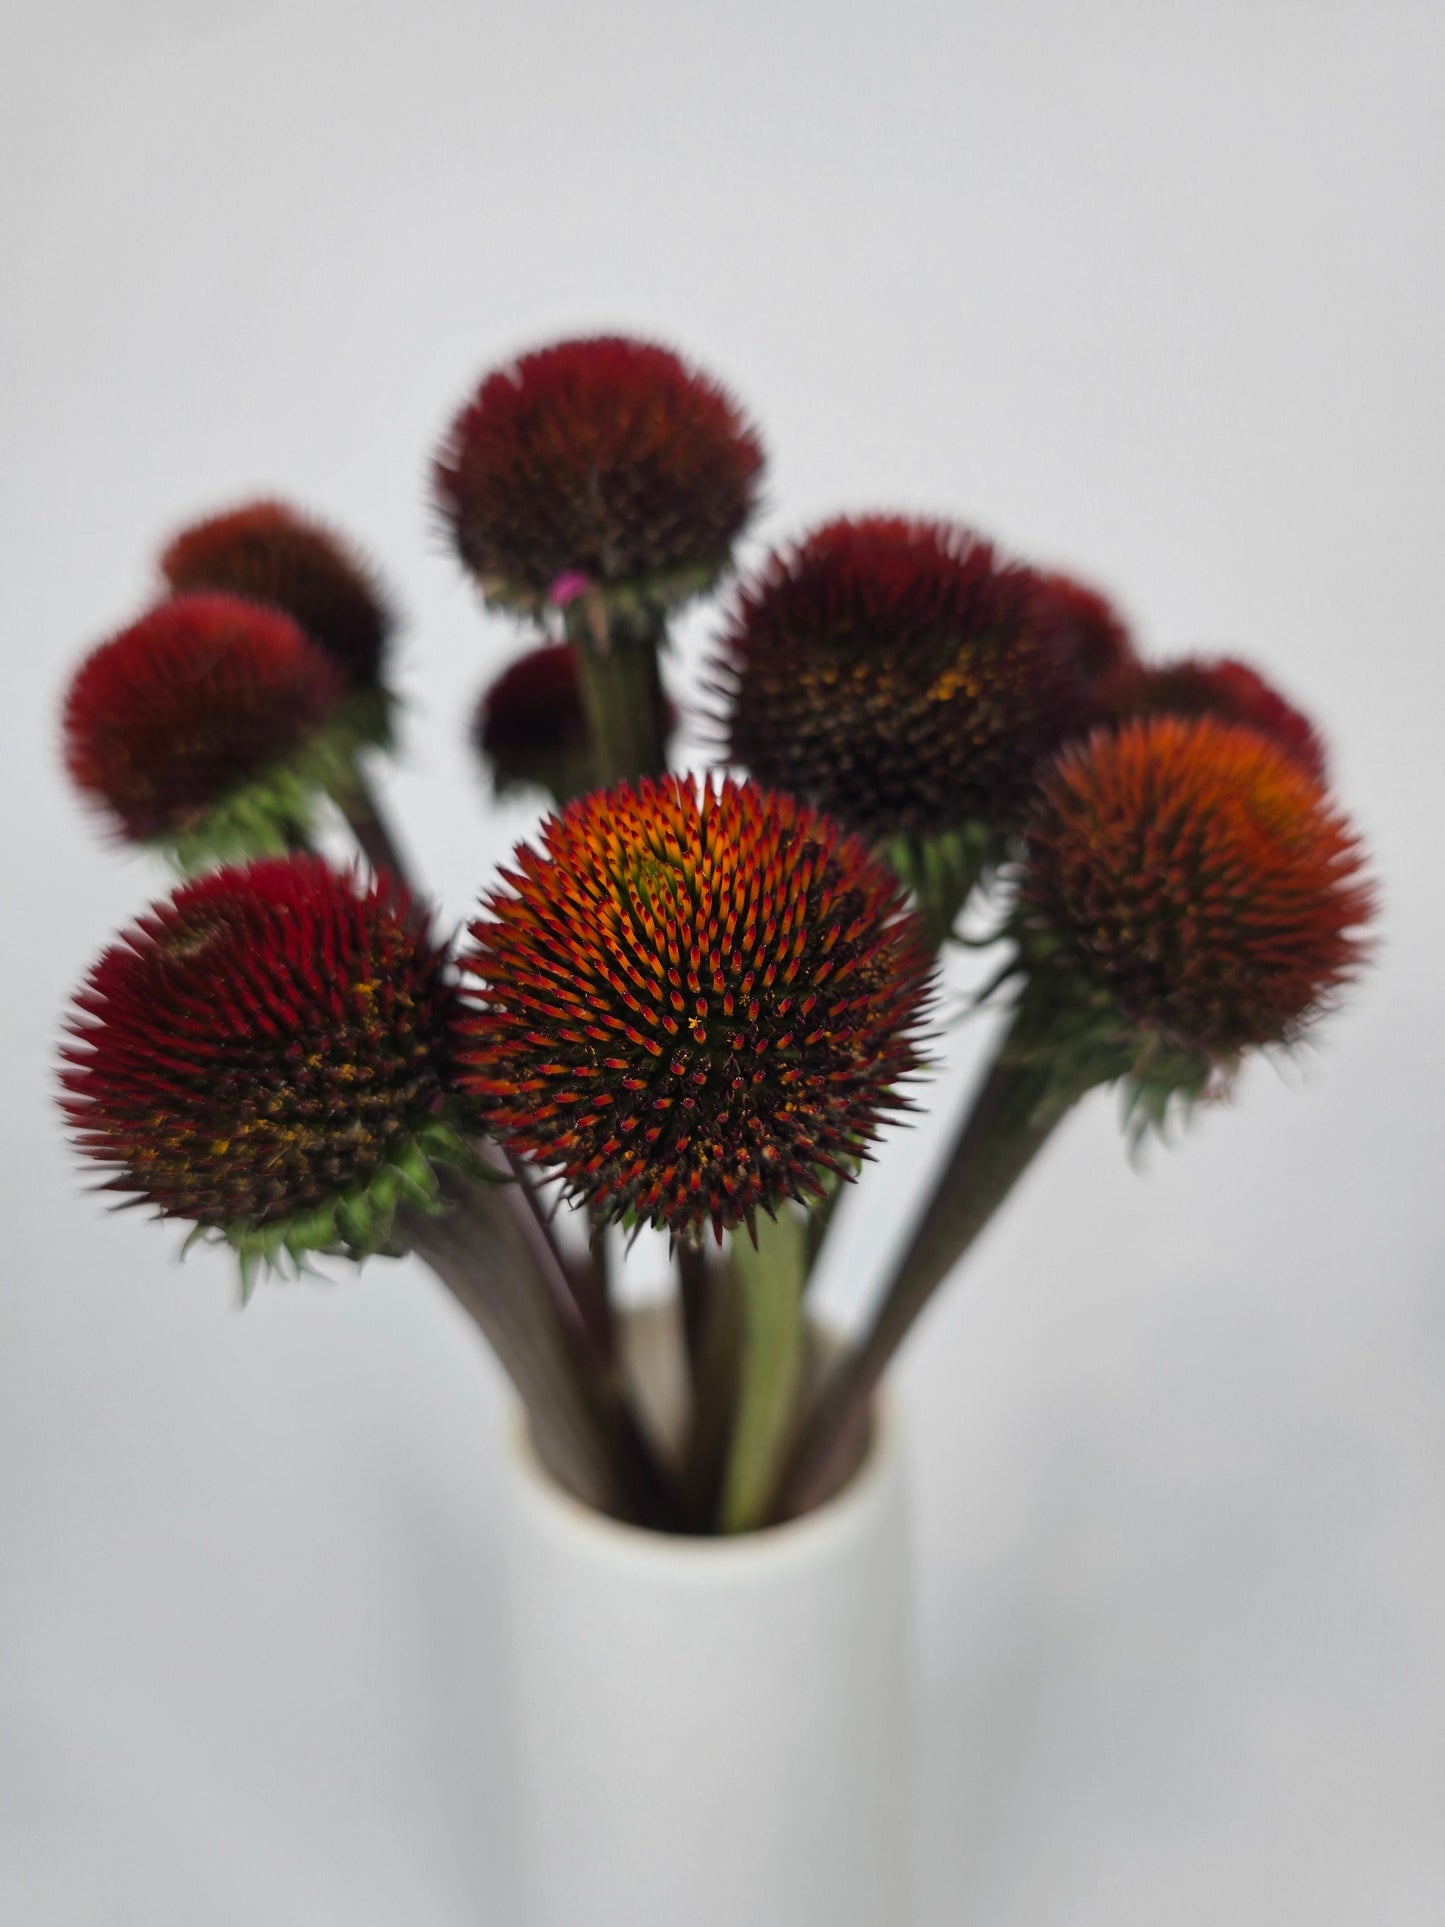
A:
771, 1278
368, 825
584, 1432
942, 873
1012, 1118
617, 667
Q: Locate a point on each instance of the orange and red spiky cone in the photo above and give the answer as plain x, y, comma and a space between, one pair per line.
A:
693, 1003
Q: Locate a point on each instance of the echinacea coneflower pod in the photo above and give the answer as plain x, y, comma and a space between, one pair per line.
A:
1188, 892
606, 480
206, 727
693, 1003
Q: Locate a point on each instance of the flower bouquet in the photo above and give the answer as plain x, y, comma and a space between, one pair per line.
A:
690, 1002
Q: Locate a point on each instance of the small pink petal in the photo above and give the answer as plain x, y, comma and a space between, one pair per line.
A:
567, 587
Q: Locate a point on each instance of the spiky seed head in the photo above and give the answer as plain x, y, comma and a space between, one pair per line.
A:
693, 1002
899, 676
272, 553
1191, 874
199, 708
267, 1054
1093, 635
1223, 687
605, 463
530, 725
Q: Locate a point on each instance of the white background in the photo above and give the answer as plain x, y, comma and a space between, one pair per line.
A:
1153, 292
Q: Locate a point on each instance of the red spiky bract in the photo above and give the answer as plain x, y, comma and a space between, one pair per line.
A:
271, 553
259, 1042
1223, 687
693, 1002
607, 458
203, 695
1195, 872
899, 676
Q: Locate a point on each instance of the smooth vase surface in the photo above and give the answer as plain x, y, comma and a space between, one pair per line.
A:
710, 1732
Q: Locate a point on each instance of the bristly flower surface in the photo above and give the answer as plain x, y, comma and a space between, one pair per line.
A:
1188, 892
693, 1003
1224, 688
193, 725
1094, 636
267, 1054
898, 675
269, 552
604, 463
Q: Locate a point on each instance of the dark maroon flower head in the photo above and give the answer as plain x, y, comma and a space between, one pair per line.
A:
693, 1003
901, 677
1092, 633
264, 1054
604, 462
271, 553
531, 727
203, 697
1224, 688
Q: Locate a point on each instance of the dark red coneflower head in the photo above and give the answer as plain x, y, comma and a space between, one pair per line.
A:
271, 553
603, 462
267, 1054
1091, 633
531, 727
1192, 876
898, 676
198, 712
693, 1003
1223, 688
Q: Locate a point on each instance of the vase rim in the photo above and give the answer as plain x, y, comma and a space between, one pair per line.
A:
808, 1538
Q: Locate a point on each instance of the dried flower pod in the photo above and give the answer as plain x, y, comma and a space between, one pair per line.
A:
1224, 688
899, 676
267, 1054
204, 726
602, 464
269, 552
1188, 893
693, 1002
530, 726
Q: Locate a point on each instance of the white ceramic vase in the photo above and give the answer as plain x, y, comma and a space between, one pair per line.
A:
710, 1732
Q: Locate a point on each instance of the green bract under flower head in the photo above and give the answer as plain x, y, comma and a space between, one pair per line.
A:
1188, 893
268, 1055
208, 727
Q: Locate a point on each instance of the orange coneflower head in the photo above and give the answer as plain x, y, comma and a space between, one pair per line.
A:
693, 1002
1198, 877
1223, 687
